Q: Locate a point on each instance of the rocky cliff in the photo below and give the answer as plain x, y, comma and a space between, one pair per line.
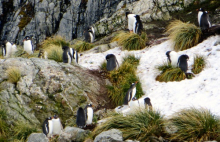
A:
46, 88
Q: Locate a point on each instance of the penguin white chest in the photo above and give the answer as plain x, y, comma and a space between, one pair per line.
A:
174, 58
8, 49
199, 17
50, 126
133, 92
69, 58
28, 47
57, 126
89, 115
91, 37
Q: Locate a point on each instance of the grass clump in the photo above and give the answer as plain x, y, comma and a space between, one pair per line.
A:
55, 53
22, 130
169, 73
199, 64
131, 41
195, 125
139, 126
57, 41
184, 35
122, 78
4, 128
81, 46
13, 74
21, 53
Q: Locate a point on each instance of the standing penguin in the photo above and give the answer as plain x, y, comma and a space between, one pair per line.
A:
74, 54
48, 127
134, 23
28, 46
130, 93
67, 57
203, 19
147, 103
3, 50
89, 34
182, 63
88, 114
7, 49
80, 119
138, 26
172, 58
111, 62
57, 126
42, 54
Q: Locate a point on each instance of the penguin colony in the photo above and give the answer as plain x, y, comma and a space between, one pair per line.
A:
52, 126
84, 116
8, 49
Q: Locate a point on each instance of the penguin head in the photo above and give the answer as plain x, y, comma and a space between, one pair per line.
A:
27, 38
109, 56
147, 100
201, 9
89, 105
49, 118
137, 18
127, 14
185, 57
168, 53
65, 48
55, 116
134, 84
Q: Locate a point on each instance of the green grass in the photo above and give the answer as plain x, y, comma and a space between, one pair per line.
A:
122, 78
184, 35
4, 128
131, 41
22, 130
195, 125
139, 126
13, 74
199, 64
169, 73
81, 46
55, 53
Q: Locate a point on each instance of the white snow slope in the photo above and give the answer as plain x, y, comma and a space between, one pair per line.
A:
201, 91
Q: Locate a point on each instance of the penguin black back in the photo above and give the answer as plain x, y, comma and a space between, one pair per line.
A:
139, 25
168, 55
182, 63
111, 62
80, 119
45, 126
129, 95
66, 54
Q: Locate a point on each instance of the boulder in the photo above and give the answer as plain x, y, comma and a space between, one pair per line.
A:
37, 137
112, 135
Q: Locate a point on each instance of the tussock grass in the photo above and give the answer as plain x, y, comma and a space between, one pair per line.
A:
195, 125
103, 66
169, 73
57, 41
138, 126
131, 41
81, 46
21, 53
4, 128
13, 74
22, 130
199, 64
55, 53
184, 35
122, 78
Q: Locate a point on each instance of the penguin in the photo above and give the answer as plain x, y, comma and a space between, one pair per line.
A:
147, 103
182, 63
203, 19
42, 54
131, 20
74, 54
111, 62
137, 26
7, 49
67, 57
134, 23
172, 58
134, 104
88, 114
130, 93
3, 50
48, 127
57, 126
80, 119
28, 47
89, 34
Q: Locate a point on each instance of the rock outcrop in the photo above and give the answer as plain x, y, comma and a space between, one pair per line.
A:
47, 88
112, 135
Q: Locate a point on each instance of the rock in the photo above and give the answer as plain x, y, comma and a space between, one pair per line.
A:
37, 137
47, 88
132, 141
112, 135
73, 134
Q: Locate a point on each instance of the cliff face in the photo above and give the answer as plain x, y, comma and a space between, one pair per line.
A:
47, 88
44, 18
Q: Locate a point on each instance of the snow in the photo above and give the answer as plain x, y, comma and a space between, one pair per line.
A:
201, 91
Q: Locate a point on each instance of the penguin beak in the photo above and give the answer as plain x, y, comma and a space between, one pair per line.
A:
197, 9
136, 82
